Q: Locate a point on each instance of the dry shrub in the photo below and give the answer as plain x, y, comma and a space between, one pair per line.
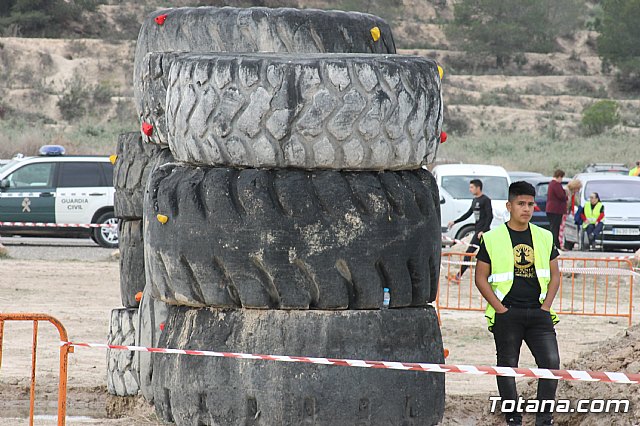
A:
25, 141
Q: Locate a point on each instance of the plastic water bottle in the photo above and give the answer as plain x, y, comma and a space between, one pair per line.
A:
387, 297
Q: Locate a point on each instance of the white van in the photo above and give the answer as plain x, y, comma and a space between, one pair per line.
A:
620, 196
455, 198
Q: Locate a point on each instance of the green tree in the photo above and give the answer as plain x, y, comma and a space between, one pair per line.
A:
619, 40
42, 18
505, 27
599, 117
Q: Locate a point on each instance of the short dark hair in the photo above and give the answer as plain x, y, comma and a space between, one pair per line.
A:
476, 182
521, 188
558, 173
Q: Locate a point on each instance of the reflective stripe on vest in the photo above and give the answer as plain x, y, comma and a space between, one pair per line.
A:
591, 213
500, 249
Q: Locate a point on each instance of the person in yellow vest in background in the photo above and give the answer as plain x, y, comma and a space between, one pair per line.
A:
517, 273
592, 217
636, 170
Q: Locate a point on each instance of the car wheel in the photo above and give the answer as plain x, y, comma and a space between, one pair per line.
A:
465, 232
107, 236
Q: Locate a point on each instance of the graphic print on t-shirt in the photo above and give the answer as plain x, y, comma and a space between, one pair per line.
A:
523, 255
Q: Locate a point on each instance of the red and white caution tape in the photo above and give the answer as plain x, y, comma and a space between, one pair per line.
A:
455, 241
458, 262
57, 225
536, 373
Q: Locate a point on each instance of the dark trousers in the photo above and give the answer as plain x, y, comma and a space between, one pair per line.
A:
555, 220
593, 231
535, 327
475, 241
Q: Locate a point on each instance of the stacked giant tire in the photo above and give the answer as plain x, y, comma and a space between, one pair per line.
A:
134, 161
296, 197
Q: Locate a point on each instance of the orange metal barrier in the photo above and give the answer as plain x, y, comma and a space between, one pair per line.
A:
64, 353
588, 287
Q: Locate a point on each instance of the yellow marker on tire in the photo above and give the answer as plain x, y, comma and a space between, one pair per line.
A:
440, 72
113, 158
162, 218
375, 33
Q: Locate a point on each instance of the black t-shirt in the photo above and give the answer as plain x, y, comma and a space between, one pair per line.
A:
525, 290
482, 213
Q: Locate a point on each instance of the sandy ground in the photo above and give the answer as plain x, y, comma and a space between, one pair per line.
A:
82, 293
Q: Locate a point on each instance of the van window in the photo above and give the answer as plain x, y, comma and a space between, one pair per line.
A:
107, 168
38, 175
542, 190
75, 175
614, 190
495, 187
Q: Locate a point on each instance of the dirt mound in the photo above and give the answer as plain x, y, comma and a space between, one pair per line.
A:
620, 353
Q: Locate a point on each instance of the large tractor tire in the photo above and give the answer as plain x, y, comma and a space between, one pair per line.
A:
122, 371
198, 390
134, 161
132, 276
292, 239
259, 29
151, 317
344, 112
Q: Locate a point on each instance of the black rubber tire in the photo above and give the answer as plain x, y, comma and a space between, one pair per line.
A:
134, 162
107, 237
291, 239
568, 245
328, 111
151, 315
132, 277
465, 231
258, 29
192, 390
122, 371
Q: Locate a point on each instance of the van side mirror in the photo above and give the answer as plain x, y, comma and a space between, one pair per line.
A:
4, 184
442, 200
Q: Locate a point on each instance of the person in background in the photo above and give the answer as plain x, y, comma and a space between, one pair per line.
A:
483, 215
518, 275
592, 217
556, 205
636, 170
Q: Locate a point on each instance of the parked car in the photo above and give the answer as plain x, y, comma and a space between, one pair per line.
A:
517, 176
620, 196
541, 184
62, 190
455, 198
618, 168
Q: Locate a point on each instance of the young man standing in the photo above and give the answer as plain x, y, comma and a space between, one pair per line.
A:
483, 215
517, 273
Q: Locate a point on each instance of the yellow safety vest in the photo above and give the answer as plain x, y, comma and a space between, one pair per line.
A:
635, 171
591, 213
500, 250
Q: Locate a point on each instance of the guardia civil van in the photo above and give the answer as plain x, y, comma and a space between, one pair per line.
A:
57, 189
